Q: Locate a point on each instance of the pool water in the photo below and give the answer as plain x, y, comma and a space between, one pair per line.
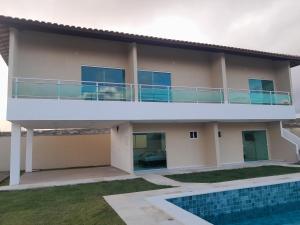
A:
283, 218
287, 214
276, 204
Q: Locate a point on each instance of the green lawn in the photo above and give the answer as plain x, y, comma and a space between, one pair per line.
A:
233, 174
68, 205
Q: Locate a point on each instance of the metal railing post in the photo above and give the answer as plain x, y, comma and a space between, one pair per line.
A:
250, 100
271, 102
58, 89
16, 87
168, 88
221, 96
97, 91
290, 99
131, 92
228, 96
140, 92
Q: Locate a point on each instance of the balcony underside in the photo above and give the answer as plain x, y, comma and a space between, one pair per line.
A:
50, 113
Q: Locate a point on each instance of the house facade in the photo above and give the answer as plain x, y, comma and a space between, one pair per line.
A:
169, 104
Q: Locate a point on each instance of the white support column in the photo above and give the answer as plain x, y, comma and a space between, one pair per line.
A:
28, 156
219, 76
15, 154
224, 77
217, 143
134, 68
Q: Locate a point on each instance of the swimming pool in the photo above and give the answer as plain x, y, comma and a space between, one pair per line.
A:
276, 204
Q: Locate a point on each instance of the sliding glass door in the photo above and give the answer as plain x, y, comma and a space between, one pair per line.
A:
255, 145
149, 151
261, 91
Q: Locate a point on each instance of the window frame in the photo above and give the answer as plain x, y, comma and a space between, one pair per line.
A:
193, 134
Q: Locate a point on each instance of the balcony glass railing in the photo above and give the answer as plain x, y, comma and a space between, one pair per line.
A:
157, 93
101, 91
52, 89
259, 97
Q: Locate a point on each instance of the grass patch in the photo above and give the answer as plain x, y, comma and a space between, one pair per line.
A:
77, 204
233, 174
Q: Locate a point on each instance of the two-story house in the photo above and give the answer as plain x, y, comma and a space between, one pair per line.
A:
169, 103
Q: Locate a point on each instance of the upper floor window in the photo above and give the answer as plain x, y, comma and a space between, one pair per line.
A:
110, 87
261, 91
154, 78
154, 86
261, 85
101, 74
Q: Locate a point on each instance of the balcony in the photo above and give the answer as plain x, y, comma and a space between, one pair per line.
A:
104, 91
73, 101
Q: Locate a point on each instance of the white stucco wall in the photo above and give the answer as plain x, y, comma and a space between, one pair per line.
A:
280, 148
181, 150
61, 151
121, 147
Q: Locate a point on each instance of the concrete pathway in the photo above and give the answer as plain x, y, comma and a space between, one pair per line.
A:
135, 208
161, 180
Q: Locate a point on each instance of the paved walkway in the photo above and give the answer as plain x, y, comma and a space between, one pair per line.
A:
161, 180
136, 209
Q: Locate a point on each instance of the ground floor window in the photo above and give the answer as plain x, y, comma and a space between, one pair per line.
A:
255, 145
149, 151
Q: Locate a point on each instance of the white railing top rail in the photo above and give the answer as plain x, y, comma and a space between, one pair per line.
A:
186, 87
248, 90
57, 81
43, 81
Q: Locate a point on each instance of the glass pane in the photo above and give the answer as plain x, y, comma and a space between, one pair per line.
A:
255, 84
114, 75
261, 97
36, 90
260, 91
89, 73
281, 99
140, 141
154, 93
73, 91
145, 77
261, 145
149, 151
239, 96
184, 94
267, 85
114, 89
160, 78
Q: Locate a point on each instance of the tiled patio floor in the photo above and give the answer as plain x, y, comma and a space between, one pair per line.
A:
70, 174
